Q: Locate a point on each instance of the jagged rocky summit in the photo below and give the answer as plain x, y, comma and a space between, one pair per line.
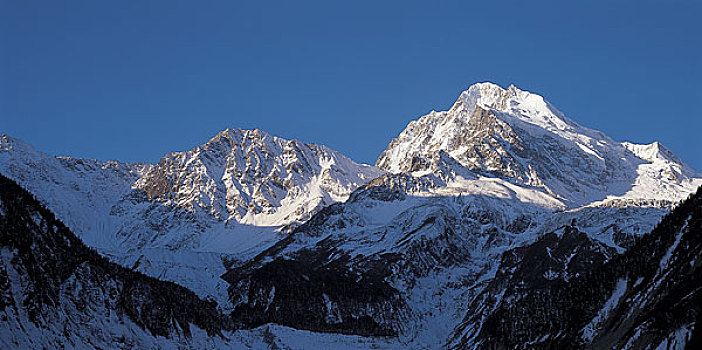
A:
514, 134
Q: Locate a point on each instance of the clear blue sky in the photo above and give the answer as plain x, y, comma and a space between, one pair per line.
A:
133, 80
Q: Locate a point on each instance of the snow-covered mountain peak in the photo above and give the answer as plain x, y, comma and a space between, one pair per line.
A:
444, 130
520, 136
237, 135
252, 177
486, 95
525, 106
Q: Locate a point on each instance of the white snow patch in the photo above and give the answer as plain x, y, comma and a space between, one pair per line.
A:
669, 253
676, 340
590, 331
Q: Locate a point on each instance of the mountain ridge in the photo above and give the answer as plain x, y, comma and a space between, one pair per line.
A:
502, 181
132, 213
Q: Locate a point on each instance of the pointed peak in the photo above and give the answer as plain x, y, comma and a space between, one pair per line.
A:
483, 89
490, 87
239, 134
485, 94
652, 152
486, 85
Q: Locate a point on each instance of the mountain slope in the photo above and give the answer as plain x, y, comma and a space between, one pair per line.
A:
432, 252
481, 202
80, 191
55, 290
649, 296
193, 214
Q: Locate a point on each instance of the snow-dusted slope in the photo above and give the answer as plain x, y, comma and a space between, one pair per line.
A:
57, 293
472, 193
439, 248
498, 194
80, 191
190, 216
518, 135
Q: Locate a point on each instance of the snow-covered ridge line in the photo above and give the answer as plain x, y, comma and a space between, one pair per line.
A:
254, 178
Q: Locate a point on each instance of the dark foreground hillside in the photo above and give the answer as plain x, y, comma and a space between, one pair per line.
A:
51, 283
651, 295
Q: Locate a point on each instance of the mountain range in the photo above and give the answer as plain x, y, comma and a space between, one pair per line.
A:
499, 223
